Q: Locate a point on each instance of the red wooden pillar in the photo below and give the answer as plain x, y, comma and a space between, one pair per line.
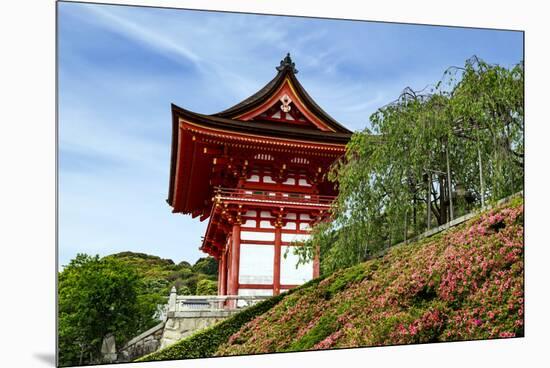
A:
228, 256
223, 275
277, 262
233, 287
220, 275
316, 265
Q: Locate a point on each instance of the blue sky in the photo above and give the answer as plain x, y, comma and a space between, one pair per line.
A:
121, 67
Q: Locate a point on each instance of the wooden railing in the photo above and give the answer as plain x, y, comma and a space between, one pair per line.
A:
275, 196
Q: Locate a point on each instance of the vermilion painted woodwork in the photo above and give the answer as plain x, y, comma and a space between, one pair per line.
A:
228, 270
219, 135
265, 286
286, 89
219, 275
222, 290
267, 242
297, 117
277, 262
214, 158
235, 255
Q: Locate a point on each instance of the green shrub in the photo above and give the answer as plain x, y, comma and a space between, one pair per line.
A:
350, 275
326, 325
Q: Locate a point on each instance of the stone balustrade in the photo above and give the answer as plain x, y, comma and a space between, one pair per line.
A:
211, 303
181, 317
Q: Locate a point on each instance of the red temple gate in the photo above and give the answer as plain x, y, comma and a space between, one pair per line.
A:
257, 172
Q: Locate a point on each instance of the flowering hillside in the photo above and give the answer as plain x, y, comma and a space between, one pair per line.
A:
463, 284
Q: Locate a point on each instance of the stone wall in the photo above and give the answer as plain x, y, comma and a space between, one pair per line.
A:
182, 324
177, 326
143, 344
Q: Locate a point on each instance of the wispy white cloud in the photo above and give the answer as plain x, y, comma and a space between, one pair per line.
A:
145, 35
229, 53
185, 41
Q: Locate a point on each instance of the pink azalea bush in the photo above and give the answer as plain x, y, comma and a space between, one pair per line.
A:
464, 284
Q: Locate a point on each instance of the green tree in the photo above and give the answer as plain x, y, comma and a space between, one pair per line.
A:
207, 287
207, 266
96, 297
434, 154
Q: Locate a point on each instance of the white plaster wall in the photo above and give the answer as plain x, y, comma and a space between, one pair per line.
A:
256, 264
253, 235
249, 223
290, 275
264, 224
290, 226
262, 292
291, 215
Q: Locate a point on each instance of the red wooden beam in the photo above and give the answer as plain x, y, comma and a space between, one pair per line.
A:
256, 286
265, 286
204, 215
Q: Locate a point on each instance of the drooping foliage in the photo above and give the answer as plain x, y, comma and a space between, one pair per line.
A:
437, 154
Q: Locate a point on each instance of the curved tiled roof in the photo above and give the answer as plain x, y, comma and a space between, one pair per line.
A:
286, 69
268, 128
227, 120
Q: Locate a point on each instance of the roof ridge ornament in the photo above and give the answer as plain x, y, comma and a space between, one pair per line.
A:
287, 63
285, 103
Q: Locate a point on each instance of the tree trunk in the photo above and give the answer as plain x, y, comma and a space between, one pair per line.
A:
443, 200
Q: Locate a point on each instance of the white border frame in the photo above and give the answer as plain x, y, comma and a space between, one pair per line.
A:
28, 186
